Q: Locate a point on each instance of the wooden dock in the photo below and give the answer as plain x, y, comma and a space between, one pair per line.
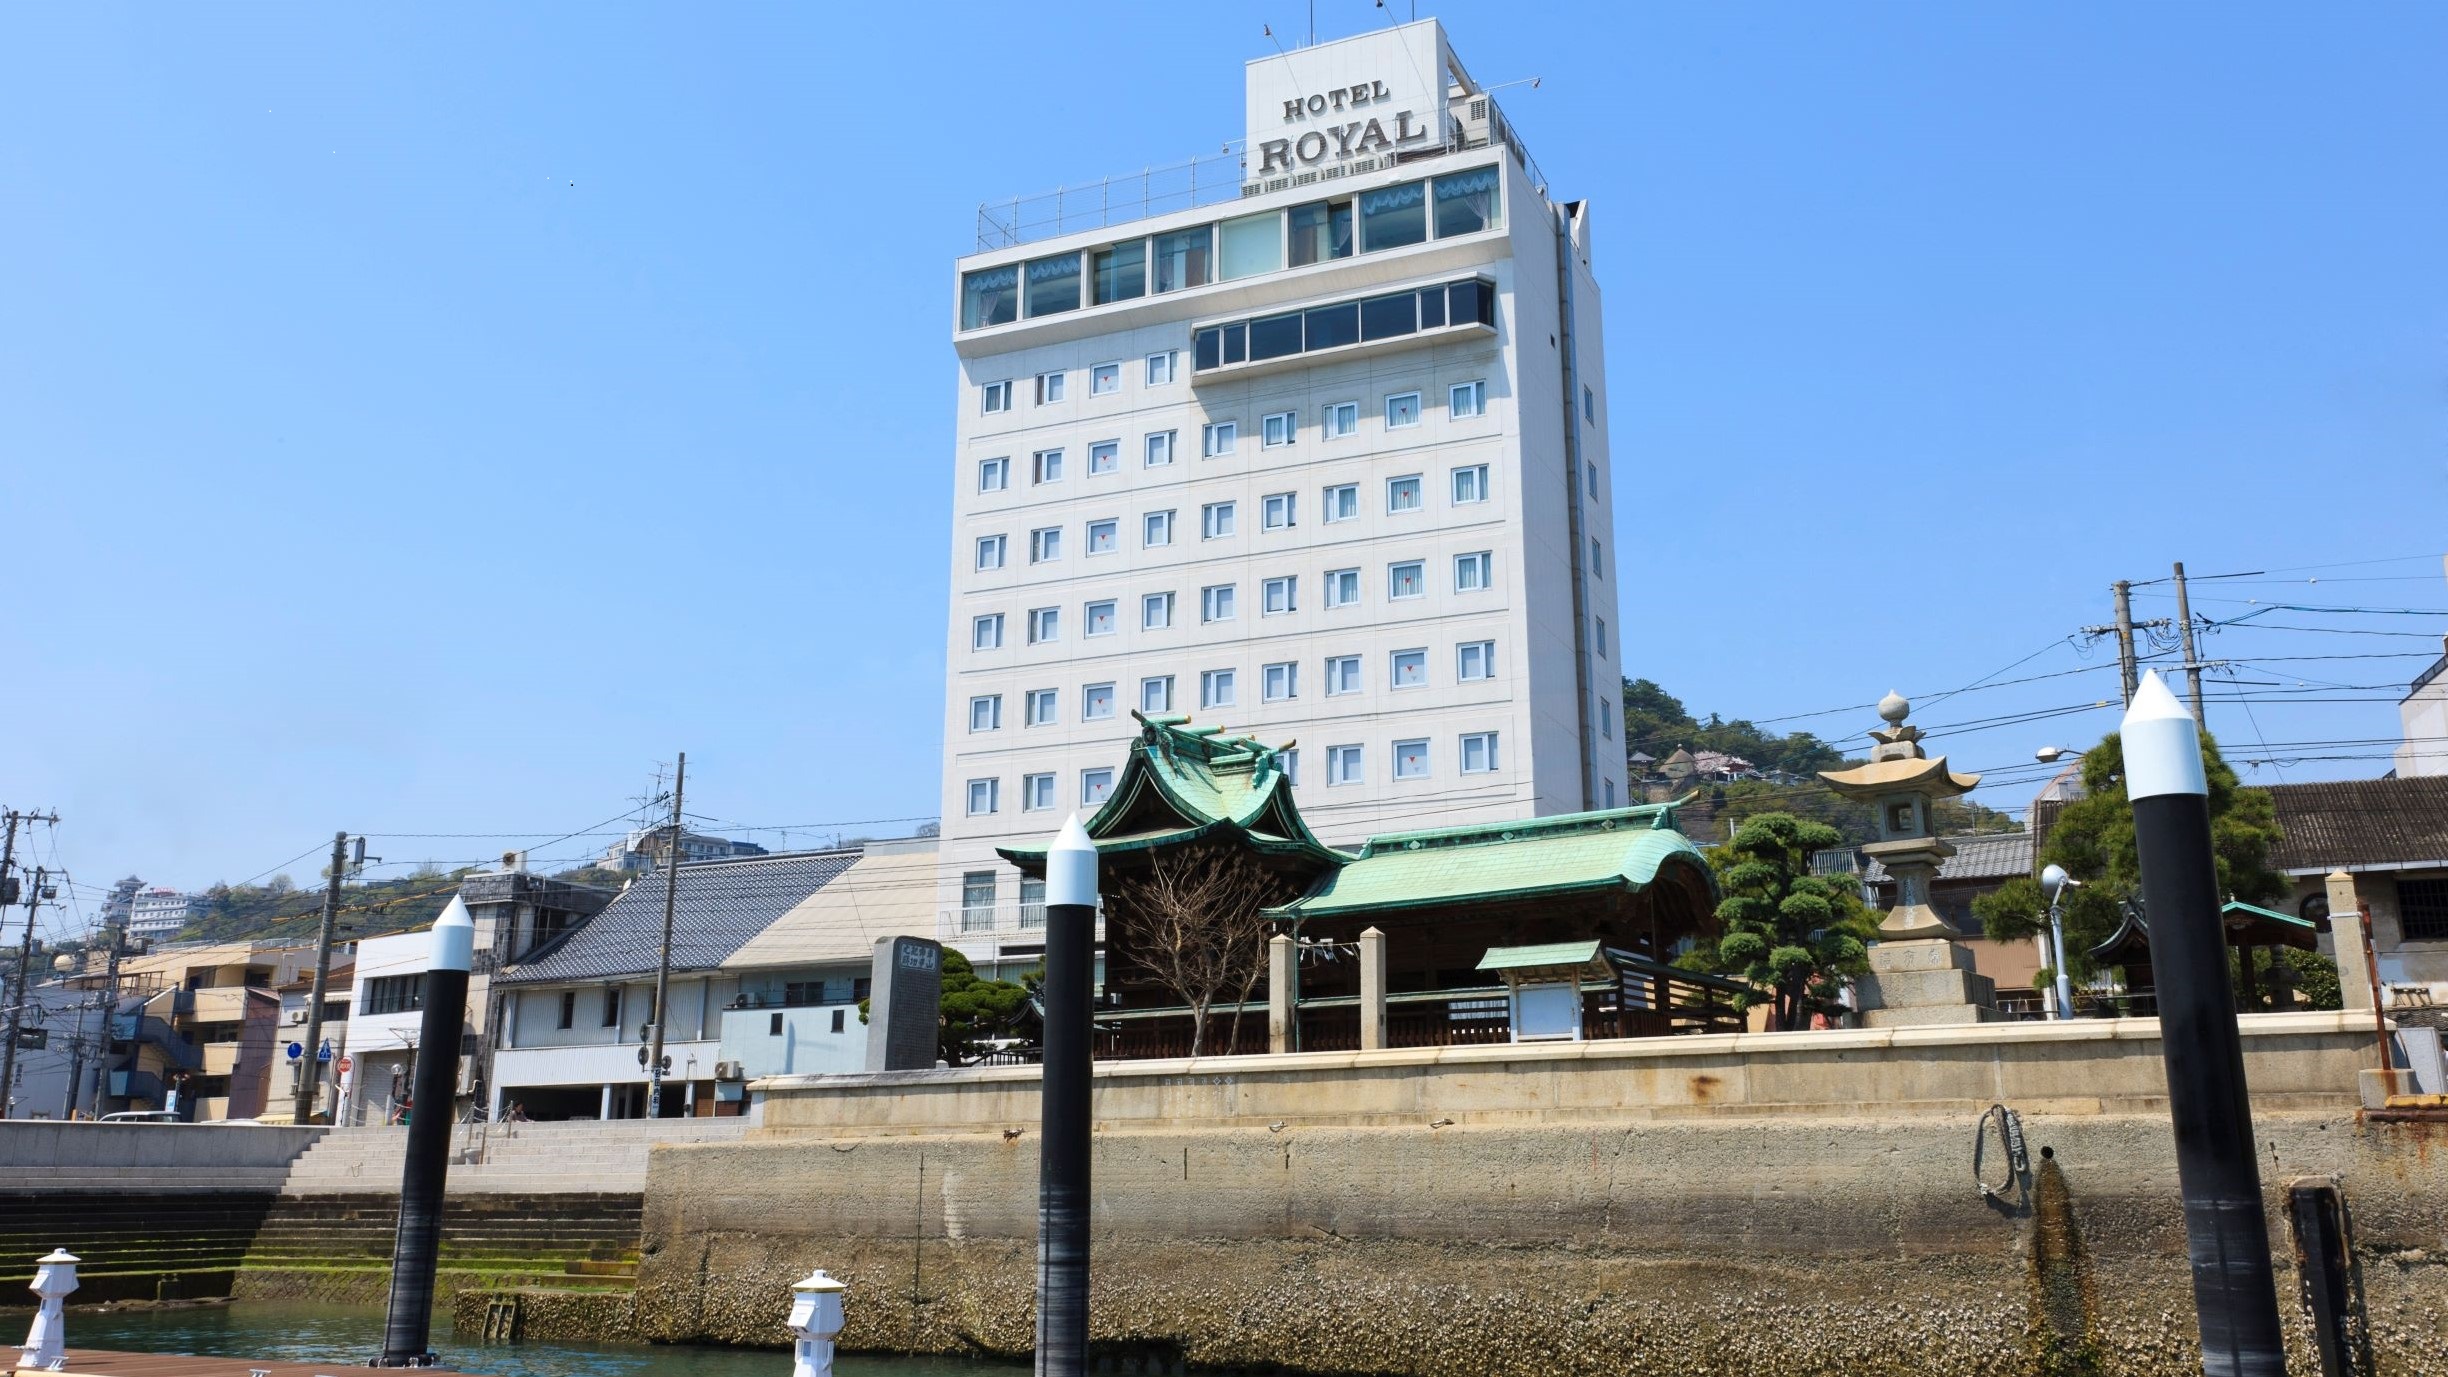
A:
97, 1362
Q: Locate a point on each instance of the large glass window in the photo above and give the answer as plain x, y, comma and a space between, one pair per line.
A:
1386, 317
1470, 300
1121, 272
1393, 216
1054, 285
1343, 323
990, 297
1183, 258
1329, 326
1468, 202
1321, 230
1252, 245
1275, 337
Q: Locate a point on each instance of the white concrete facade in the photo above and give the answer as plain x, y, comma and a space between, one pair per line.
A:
1523, 396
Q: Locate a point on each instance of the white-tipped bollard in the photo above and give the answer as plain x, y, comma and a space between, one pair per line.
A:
815, 1321
54, 1277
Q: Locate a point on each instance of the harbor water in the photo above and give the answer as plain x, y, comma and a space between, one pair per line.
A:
345, 1336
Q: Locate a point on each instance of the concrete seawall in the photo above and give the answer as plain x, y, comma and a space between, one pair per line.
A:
1813, 1210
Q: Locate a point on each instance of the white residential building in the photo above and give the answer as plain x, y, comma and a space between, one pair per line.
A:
156, 915
1325, 462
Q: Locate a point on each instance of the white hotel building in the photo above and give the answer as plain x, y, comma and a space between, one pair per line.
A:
1326, 463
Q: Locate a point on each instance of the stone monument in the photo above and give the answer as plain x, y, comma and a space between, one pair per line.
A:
1919, 973
904, 1004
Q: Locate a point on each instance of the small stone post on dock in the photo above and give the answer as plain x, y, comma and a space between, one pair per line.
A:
815, 1320
54, 1277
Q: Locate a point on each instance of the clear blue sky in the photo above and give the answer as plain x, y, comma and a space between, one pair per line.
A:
422, 421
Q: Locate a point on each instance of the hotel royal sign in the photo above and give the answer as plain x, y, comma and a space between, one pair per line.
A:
1372, 96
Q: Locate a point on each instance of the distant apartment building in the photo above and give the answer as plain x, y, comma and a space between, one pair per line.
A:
1326, 462
645, 849
222, 1003
2424, 717
156, 915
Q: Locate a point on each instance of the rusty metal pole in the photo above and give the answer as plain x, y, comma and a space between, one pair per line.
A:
2371, 970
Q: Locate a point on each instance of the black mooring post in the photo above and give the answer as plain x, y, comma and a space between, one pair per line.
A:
1062, 1144
2235, 1297
408, 1333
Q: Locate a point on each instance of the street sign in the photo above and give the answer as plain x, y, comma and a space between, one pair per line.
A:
33, 1039
324, 1052
346, 1065
296, 1050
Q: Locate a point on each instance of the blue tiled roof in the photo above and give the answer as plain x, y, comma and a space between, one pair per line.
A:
720, 906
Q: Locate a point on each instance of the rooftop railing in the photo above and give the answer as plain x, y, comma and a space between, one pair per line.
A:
1109, 201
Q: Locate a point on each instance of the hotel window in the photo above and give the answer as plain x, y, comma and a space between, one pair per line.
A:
977, 898
1592, 469
1156, 612
1217, 603
1156, 529
1044, 625
1218, 438
1095, 786
1217, 520
1053, 284
1589, 404
990, 297
1475, 660
1390, 217
1278, 429
1121, 272
1466, 399
1104, 537
1403, 494
1342, 675
1183, 258
1470, 484
1275, 511
1156, 694
1402, 410
1040, 705
1321, 231
1105, 456
1478, 753
1162, 368
1279, 682
1217, 688
1345, 765
986, 633
1096, 702
990, 552
1159, 448
1045, 545
1610, 793
1598, 625
1279, 595
1290, 762
1097, 618
996, 396
986, 712
1407, 669
1036, 793
1050, 387
1342, 587
1597, 559
1342, 502
985, 795
1252, 244
1408, 579
994, 475
1468, 202
569, 1009
1475, 573
1411, 760
1606, 718
611, 1005
1338, 419
1045, 466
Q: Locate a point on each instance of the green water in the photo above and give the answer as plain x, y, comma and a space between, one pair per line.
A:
346, 1336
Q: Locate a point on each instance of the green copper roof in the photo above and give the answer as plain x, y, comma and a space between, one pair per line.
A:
1182, 783
1577, 852
1565, 954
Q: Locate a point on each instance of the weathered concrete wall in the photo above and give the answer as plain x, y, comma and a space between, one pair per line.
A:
44, 1154
2303, 1061
1588, 1214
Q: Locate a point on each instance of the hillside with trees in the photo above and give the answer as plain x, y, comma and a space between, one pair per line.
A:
280, 909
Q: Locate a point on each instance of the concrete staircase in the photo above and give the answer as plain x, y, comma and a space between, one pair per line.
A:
593, 1157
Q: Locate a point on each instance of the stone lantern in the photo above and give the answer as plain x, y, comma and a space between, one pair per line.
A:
1918, 972
815, 1320
54, 1278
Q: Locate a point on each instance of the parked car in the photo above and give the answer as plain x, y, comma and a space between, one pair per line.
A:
141, 1116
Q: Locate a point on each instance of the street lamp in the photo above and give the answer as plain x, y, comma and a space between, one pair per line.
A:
2050, 755
2054, 882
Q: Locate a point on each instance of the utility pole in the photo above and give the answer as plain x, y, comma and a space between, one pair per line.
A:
671, 897
19, 994
2128, 665
2192, 661
310, 1070
110, 1010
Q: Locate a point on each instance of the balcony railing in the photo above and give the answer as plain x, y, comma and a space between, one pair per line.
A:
1009, 920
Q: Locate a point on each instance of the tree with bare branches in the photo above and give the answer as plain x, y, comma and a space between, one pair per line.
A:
1195, 922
